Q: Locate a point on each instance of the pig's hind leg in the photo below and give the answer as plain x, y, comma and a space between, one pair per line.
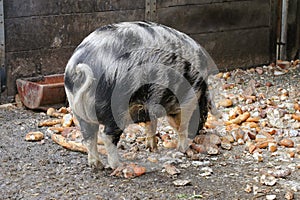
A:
89, 132
110, 138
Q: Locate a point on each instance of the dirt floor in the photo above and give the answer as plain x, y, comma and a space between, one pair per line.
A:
45, 170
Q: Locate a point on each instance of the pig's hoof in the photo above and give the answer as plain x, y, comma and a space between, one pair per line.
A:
95, 163
151, 143
114, 162
118, 171
183, 148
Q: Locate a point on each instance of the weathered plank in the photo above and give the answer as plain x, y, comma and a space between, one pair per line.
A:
293, 30
105, 5
238, 48
30, 33
216, 17
26, 8
34, 63
172, 3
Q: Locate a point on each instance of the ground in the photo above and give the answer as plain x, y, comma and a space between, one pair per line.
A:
45, 170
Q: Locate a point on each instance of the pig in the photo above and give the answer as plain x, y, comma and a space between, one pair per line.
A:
134, 72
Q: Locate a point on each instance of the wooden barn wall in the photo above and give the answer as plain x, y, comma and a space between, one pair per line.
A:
293, 30
42, 34
237, 33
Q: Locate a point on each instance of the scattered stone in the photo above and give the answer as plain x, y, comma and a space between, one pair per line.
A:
270, 197
226, 145
228, 86
259, 70
280, 173
170, 144
228, 138
181, 182
269, 84
199, 148
252, 148
297, 106
251, 135
268, 180
289, 195
226, 75
171, 169
67, 120
50, 111
206, 171
152, 159
71, 145
50, 122
7, 106
253, 119
296, 117
248, 188
240, 141
241, 118
286, 142
238, 134
214, 139
63, 110
129, 171
272, 147
278, 73
197, 163
226, 103
250, 90
201, 139
257, 156
294, 133
34, 136
212, 150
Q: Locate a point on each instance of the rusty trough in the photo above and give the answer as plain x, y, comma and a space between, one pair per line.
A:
38, 92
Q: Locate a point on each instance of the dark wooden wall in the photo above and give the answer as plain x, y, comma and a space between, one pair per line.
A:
42, 34
293, 30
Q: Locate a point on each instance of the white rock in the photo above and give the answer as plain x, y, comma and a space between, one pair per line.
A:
200, 163
294, 133
258, 157
207, 171
181, 182
268, 180
278, 73
270, 196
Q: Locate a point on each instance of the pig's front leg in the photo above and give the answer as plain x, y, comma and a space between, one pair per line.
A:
150, 129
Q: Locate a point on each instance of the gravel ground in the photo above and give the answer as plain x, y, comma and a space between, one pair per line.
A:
45, 170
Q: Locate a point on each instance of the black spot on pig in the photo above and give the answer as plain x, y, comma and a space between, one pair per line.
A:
109, 27
171, 59
147, 27
187, 72
114, 131
125, 55
201, 116
131, 40
69, 81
